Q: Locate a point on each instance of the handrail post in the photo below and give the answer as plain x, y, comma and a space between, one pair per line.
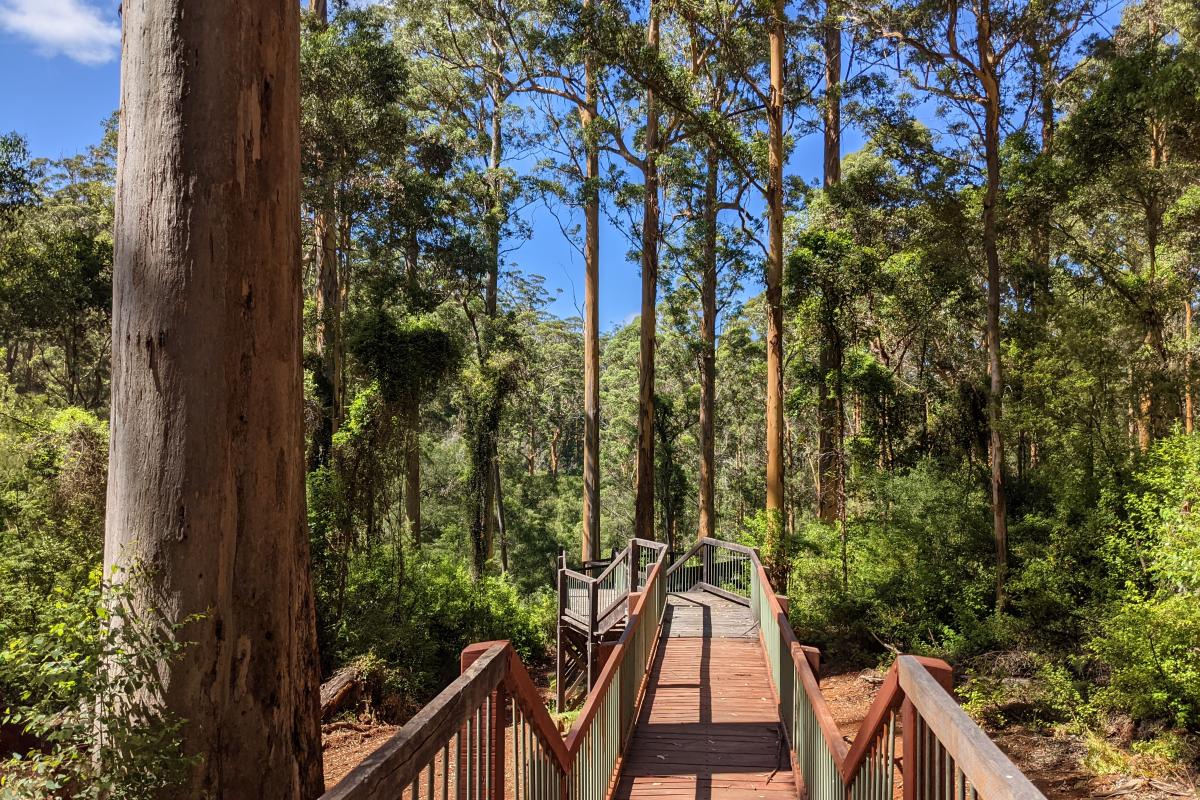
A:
914, 789
593, 600
635, 566
910, 768
470, 654
706, 563
499, 703
560, 691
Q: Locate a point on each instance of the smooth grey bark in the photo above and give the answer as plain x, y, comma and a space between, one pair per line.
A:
206, 462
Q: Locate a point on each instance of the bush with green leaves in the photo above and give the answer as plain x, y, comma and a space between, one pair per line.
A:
89, 696
415, 614
52, 488
1149, 638
902, 587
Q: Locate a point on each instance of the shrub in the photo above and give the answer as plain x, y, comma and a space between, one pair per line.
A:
90, 694
1150, 637
416, 617
920, 569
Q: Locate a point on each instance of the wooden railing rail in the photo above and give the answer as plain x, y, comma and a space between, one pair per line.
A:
489, 731
946, 756
951, 756
722, 568
600, 733
426, 755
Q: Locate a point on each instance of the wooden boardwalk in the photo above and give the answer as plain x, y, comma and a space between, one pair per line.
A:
708, 728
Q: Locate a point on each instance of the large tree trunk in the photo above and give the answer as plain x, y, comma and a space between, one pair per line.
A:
643, 523
591, 329
991, 196
829, 403
775, 428
206, 467
708, 355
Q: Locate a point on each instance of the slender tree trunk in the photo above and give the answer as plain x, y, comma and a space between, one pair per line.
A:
992, 254
495, 204
329, 314
206, 464
708, 355
1189, 417
328, 330
829, 403
591, 322
644, 491
493, 224
553, 465
501, 526
775, 428
412, 472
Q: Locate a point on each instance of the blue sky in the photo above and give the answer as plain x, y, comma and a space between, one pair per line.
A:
60, 59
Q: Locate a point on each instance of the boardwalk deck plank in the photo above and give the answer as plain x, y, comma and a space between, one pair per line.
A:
708, 728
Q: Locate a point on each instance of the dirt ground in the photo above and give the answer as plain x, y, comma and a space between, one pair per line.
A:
345, 744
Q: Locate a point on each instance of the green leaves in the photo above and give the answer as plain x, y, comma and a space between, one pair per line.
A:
91, 688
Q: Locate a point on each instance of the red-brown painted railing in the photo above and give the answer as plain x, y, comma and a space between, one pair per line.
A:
489, 732
945, 755
462, 746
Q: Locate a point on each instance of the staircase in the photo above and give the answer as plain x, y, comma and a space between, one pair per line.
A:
592, 613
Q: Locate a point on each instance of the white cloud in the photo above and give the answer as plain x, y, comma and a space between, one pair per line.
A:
73, 28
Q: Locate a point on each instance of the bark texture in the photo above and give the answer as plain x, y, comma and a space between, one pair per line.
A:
644, 490
591, 323
776, 445
206, 467
830, 488
991, 87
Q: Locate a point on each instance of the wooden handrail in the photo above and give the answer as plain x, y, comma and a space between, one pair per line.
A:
595, 697
829, 727
683, 559
613, 564
888, 699
920, 687
398, 761
990, 771
570, 573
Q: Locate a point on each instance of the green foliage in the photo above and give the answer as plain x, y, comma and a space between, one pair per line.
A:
418, 615
52, 488
89, 696
902, 589
56, 251
409, 358
1147, 638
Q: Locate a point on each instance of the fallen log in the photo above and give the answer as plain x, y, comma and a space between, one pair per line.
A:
344, 688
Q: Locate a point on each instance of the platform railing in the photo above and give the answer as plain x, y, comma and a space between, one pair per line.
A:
489, 732
936, 749
712, 565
